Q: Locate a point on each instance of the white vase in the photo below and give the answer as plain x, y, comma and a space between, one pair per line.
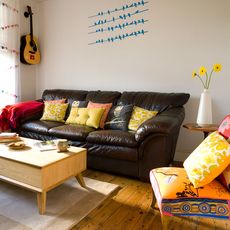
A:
204, 117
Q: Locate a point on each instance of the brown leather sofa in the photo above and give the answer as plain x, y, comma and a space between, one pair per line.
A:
123, 152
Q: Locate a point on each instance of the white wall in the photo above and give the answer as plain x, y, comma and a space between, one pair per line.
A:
183, 35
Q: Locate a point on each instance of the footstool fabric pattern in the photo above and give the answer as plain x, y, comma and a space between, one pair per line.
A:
176, 195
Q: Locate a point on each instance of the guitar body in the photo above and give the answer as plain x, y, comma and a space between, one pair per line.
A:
29, 53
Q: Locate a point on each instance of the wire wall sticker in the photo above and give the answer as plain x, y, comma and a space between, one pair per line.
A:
113, 25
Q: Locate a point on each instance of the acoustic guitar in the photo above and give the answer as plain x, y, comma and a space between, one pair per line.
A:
29, 53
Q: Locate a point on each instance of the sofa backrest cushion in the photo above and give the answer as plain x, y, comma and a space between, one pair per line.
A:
70, 95
153, 100
103, 96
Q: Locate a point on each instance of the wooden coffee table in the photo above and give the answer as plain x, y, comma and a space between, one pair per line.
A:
41, 171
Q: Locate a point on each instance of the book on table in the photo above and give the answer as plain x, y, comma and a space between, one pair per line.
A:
6, 137
45, 145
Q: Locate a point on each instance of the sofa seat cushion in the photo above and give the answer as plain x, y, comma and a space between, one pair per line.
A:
71, 132
38, 126
113, 137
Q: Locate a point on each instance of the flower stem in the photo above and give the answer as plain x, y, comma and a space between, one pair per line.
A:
201, 81
210, 79
206, 80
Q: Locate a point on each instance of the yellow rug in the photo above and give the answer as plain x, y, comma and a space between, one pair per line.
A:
66, 205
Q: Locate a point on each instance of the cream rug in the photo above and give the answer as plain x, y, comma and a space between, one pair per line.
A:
66, 205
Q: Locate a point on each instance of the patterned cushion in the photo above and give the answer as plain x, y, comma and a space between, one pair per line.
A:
177, 196
107, 107
224, 177
54, 112
224, 128
118, 117
61, 101
139, 116
208, 160
85, 116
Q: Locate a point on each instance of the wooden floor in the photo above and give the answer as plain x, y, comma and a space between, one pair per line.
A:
129, 209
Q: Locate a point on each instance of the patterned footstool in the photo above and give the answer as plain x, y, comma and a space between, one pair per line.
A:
176, 195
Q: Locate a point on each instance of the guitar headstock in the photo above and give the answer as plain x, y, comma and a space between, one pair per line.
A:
29, 12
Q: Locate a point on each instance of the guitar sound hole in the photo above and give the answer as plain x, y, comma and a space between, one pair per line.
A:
33, 46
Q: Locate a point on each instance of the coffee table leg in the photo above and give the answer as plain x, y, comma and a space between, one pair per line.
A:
80, 180
41, 202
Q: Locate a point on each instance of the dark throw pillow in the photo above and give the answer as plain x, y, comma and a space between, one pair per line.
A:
118, 117
79, 104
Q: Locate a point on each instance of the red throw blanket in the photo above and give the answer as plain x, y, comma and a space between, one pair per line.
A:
11, 115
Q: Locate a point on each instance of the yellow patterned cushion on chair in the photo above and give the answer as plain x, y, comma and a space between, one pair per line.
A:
85, 116
54, 112
208, 160
139, 116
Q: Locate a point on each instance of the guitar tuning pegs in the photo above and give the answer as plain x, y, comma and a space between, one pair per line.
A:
26, 14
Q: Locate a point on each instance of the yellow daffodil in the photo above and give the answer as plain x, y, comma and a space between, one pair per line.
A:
194, 74
217, 68
202, 71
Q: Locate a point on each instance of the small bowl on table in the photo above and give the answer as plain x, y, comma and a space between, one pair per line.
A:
17, 145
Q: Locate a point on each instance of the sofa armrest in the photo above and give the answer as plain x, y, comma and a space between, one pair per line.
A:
164, 123
20, 112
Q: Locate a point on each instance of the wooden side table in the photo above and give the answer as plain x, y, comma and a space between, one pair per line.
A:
205, 129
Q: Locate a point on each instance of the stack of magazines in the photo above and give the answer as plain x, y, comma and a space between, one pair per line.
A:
8, 137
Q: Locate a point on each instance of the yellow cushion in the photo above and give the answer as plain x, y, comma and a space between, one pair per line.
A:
85, 116
54, 112
208, 160
139, 116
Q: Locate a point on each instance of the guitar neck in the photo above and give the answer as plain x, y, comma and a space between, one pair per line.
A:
30, 13
31, 26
